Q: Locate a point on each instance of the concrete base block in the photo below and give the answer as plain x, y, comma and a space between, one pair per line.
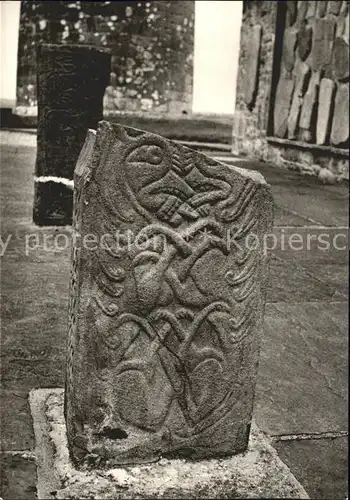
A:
258, 473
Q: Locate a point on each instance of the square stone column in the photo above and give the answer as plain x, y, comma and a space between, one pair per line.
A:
71, 81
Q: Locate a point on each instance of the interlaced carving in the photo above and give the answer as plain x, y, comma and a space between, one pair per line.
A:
171, 302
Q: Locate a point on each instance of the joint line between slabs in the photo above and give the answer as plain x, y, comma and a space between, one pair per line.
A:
20, 453
309, 436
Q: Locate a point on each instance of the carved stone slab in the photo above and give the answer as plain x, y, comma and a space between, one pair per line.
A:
165, 316
322, 7
289, 44
71, 83
302, 74
334, 6
324, 115
340, 126
322, 45
307, 121
344, 7
340, 27
341, 59
346, 28
311, 10
292, 10
252, 66
283, 100
302, 10
304, 41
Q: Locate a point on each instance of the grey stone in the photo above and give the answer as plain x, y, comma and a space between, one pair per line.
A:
304, 41
71, 84
292, 10
284, 217
18, 476
309, 107
340, 126
344, 7
289, 44
289, 283
302, 10
324, 115
341, 59
322, 7
293, 117
252, 66
161, 361
322, 44
314, 250
335, 275
302, 74
329, 211
334, 7
340, 27
17, 431
306, 391
326, 176
346, 29
113, 80
258, 472
283, 100
321, 465
311, 10
305, 135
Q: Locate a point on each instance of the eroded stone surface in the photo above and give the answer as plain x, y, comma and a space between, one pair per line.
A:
324, 115
18, 476
302, 10
302, 74
71, 84
304, 41
289, 44
346, 29
340, 126
258, 473
165, 317
334, 6
252, 66
284, 95
311, 10
340, 26
344, 7
322, 7
308, 110
292, 10
322, 45
341, 59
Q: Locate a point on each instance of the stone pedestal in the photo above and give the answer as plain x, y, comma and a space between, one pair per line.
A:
166, 303
71, 81
257, 473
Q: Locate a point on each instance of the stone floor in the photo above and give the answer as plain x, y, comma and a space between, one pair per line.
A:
301, 400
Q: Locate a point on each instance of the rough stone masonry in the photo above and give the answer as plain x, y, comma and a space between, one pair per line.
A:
166, 302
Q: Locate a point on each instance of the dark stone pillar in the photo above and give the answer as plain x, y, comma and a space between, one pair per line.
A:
71, 81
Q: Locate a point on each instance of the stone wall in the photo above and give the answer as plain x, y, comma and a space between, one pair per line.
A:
151, 44
292, 104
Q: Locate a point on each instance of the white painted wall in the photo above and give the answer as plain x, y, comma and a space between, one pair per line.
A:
9, 26
216, 50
